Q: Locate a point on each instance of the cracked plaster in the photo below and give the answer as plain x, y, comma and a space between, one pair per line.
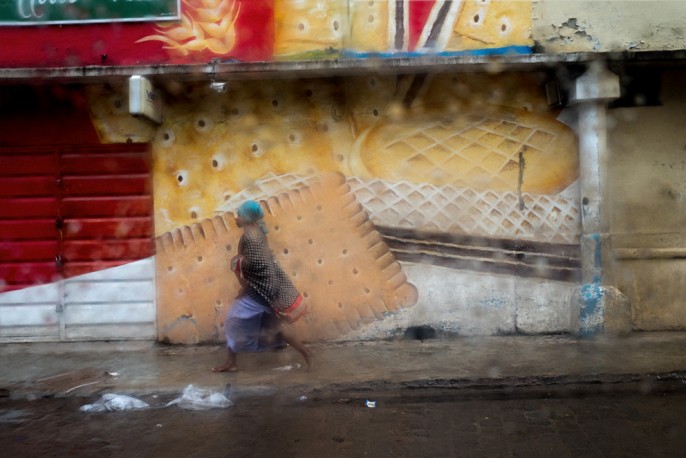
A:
611, 25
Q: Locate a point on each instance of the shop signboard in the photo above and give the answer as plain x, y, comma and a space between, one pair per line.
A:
44, 12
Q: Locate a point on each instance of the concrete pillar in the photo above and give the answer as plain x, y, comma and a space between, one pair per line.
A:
590, 94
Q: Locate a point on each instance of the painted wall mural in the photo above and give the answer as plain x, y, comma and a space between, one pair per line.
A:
444, 199
312, 29
264, 30
448, 200
485, 134
324, 241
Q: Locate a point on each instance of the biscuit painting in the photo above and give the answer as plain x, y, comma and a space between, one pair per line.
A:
392, 201
215, 145
319, 234
463, 132
249, 30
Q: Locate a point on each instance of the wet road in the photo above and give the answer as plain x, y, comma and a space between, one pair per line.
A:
590, 425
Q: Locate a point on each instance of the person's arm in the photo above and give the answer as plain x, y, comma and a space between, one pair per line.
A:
237, 268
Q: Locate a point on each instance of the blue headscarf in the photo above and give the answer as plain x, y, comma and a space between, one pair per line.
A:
252, 212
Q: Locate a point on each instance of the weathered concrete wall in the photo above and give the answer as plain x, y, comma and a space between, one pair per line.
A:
609, 25
647, 204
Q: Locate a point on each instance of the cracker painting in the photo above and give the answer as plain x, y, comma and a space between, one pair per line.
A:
391, 201
321, 236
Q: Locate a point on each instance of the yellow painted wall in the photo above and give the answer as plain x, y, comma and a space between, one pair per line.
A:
211, 146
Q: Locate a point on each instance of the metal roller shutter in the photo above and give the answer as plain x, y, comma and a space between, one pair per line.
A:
78, 222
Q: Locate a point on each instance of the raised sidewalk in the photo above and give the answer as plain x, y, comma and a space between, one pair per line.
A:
644, 360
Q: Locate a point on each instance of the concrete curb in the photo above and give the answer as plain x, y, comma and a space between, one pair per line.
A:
466, 367
435, 389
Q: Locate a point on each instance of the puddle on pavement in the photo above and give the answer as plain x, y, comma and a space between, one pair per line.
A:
13, 416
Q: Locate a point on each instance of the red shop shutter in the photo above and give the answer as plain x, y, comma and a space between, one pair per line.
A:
88, 208
28, 211
106, 207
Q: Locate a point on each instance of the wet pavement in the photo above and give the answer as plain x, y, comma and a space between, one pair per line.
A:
645, 361
593, 425
504, 396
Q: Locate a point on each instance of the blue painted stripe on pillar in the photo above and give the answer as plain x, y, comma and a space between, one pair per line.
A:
591, 316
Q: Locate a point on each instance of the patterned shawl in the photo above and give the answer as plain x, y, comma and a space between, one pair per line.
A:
266, 281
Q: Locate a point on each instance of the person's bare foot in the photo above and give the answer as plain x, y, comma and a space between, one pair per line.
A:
225, 368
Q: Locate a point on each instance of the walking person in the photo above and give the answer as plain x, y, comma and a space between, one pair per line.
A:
260, 317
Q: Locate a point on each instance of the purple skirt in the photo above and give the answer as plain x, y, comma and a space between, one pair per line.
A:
251, 326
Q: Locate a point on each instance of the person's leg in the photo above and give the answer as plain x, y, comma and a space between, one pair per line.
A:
270, 337
229, 365
239, 325
291, 339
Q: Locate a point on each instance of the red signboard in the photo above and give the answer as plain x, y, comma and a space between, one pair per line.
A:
249, 38
271, 30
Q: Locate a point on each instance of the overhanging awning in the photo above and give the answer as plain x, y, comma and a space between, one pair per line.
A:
231, 70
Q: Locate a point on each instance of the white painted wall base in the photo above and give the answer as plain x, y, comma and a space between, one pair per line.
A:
111, 304
472, 303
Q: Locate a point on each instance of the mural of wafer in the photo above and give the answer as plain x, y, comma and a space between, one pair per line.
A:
449, 200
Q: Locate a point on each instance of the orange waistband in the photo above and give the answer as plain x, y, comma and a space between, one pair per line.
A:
294, 305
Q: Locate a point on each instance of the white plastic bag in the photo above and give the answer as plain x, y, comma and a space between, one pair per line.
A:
198, 399
109, 402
